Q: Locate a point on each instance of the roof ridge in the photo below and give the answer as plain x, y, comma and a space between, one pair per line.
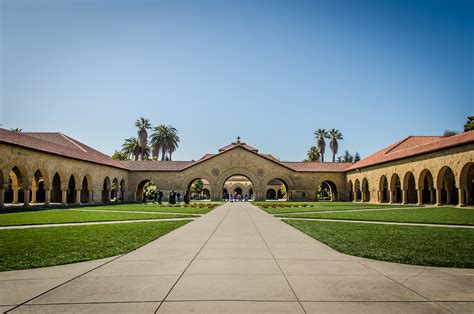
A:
71, 141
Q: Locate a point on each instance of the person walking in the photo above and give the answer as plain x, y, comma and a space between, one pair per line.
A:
178, 197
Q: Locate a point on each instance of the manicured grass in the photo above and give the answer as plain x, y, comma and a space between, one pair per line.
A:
19, 216
40, 247
193, 208
431, 246
321, 206
435, 215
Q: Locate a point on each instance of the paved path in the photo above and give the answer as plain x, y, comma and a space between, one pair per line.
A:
238, 258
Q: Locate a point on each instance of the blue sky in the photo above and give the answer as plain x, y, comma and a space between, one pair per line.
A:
270, 71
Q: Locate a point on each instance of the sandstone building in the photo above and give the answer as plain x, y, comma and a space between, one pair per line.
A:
52, 168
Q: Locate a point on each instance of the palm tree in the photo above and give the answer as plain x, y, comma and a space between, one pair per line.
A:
142, 124
334, 135
165, 139
321, 134
131, 148
313, 154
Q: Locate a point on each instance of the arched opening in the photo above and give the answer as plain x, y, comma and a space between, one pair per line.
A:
145, 186
447, 186
428, 194
467, 184
123, 191
199, 189
71, 190
351, 191
37, 193
327, 191
279, 188
271, 194
357, 191
56, 195
365, 190
239, 188
85, 190
383, 190
396, 189
114, 192
106, 187
409, 186
14, 193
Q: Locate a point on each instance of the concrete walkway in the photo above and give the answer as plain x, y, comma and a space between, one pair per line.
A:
238, 259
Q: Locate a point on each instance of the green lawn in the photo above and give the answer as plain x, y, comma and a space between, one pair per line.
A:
18, 216
321, 206
193, 208
431, 246
435, 215
40, 247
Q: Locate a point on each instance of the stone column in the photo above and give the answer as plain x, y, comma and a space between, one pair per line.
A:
355, 196
64, 197
404, 196
78, 197
26, 196
15, 194
438, 197
33, 194
47, 197
462, 199
2, 198
419, 195
90, 196
391, 196
380, 195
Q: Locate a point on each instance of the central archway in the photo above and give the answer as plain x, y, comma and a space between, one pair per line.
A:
237, 187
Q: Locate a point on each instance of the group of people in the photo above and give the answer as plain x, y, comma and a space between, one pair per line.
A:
236, 197
173, 197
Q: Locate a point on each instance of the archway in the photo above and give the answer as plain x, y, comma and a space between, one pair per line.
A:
327, 190
71, 190
199, 189
56, 194
357, 191
38, 192
239, 187
467, 184
141, 187
106, 187
351, 191
409, 189
123, 191
279, 187
271, 194
14, 194
447, 186
383, 190
114, 192
426, 183
365, 190
85, 187
395, 189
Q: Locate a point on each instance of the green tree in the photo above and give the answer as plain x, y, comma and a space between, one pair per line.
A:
16, 130
447, 133
143, 125
164, 139
313, 154
334, 135
347, 157
469, 125
356, 157
321, 135
119, 155
197, 186
131, 148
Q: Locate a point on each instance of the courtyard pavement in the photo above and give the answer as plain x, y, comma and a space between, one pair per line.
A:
237, 258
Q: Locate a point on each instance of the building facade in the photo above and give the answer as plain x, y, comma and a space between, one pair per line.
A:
54, 169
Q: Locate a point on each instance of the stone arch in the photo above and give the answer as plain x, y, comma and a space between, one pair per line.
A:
123, 190
114, 190
57, 188
357, 191
446, 186
395, 189
106, 189
328, 188
278, 192
384, 196
466, 184
365, 190
427, 187
72, 185
17, 183
139, 189
86, 189
410, 194
38, 184
239, 171
201, 195
351, 191
270, 194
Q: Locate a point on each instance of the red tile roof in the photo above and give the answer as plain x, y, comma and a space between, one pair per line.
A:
59, 144
154, 165
230, 146
318, 166
413, 146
